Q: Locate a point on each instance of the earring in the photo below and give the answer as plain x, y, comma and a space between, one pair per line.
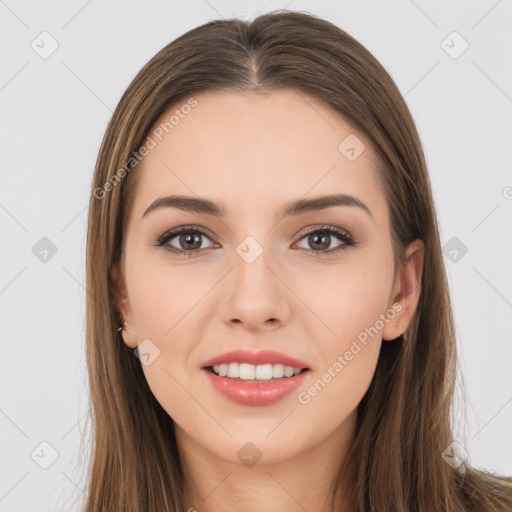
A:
124, 326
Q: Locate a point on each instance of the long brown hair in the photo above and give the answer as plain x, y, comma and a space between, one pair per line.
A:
404, 418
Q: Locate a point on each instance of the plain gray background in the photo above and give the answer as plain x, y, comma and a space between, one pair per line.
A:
54, 112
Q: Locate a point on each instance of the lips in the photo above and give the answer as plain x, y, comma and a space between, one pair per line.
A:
252, 393
256, 392
266, 356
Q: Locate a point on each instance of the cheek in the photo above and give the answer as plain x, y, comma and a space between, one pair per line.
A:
352, 300
353, 351
349, 300
165, 310
161, 297
351, 304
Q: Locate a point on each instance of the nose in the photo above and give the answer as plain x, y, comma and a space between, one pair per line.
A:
254, 295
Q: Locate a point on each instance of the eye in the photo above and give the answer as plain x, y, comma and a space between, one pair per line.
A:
188, 240
321, 238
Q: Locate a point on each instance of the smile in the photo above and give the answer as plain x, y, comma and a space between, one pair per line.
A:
251, 372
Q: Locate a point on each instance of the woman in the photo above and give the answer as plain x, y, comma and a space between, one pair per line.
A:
262, 228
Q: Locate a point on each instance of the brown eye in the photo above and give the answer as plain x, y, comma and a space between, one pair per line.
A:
319, 240
188, 240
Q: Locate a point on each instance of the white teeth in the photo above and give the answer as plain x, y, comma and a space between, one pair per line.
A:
263, 372
278, 371
233, 370
246, 371
288, 371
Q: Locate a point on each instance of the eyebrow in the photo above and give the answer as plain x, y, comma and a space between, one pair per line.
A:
292, 208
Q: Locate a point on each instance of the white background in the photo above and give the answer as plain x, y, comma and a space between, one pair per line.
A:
54, 113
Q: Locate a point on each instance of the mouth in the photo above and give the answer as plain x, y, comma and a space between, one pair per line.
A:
254, 373
255, 378
258, 366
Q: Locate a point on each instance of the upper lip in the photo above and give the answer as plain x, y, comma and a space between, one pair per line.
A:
266, 356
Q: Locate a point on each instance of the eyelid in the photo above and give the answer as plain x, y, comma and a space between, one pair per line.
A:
324, 227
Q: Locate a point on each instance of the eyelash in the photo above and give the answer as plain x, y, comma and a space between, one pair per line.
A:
341, 234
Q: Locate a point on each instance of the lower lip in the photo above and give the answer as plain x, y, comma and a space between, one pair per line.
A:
255, 393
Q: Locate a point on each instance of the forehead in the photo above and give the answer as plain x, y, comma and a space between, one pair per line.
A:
247, 150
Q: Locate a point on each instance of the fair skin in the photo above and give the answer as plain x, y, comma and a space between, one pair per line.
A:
253, 153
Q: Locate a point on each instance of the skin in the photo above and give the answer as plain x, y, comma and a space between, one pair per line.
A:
254, 153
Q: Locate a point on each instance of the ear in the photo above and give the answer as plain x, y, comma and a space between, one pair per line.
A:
123, 305
406, 291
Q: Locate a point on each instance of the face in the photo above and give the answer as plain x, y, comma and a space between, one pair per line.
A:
254, 280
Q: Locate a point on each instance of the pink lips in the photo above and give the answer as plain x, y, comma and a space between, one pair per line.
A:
262, 357
251, 392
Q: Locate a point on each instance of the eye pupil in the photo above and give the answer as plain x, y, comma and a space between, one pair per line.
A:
185, 239
325, 238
